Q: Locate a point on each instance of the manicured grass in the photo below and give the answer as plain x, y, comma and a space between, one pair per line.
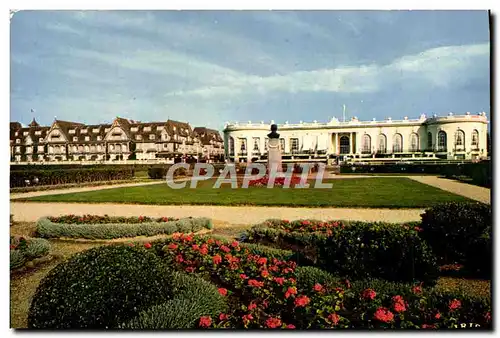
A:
374, 192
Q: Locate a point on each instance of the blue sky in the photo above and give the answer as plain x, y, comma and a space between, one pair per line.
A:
209, 67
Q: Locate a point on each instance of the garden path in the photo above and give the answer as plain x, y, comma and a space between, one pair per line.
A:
464, 189
31, 211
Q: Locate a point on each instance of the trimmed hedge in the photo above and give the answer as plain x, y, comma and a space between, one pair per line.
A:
461, 233
359, 250
48, 229
308, 276
99, 288
161, 172
97, 219
194, 298
64, 176
23, 250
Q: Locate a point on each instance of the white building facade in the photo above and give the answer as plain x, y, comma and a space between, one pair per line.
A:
452, 137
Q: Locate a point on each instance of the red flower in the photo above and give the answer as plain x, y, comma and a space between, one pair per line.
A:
428, 326
262, 261
247, 318
417, 289
165, 219
273, 268
399, 307
205, 321
12, 247
487, 316
437, 316
273, 323
223, 291
369, 294
203, 250
306, 223
218, 243
318, 287
141, 218
235, 244
223, 316
196, 247
290, 326
279, 280
264, 273
291, 291
302, 301
455, 304
225, 248
257, 284
188, 238
383, 315
418, 229
190, 269
265, 304
334, 318
179, 258
147, 246
217, 259
243, 276
173, 246
252, 306
130, 244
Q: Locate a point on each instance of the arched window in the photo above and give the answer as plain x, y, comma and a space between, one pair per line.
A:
256, 141
80, 148
397, 146
87, 149
413, 142
382, 144
475, 139
459, 139
442, 146
344, 145
366, 144
429, 141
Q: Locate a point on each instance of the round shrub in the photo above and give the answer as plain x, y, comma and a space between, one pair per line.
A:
37, 247
308, 276
194, 298
99, 288
460, 233
17, 259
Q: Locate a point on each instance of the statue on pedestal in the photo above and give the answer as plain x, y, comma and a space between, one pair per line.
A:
274, 150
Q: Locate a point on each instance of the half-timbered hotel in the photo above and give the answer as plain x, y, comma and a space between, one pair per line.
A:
451, 137
123, 139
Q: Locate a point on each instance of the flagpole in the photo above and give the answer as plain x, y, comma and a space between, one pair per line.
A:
343, 113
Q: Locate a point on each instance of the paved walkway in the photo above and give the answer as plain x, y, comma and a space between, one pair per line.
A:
31, 211
464, 189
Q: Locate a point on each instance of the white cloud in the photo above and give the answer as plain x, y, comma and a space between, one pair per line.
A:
436, 67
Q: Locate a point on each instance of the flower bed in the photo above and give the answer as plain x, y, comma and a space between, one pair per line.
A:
96, 219
48, 229
278, 181
265, 292
354, 249
23, 251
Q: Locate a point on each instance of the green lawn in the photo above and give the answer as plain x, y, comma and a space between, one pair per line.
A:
377, 192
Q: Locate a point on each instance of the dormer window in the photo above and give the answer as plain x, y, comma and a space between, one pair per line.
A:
41, 139
75, 139
38, 132
152, 137
175, 128
99, 137
134, 129
71, 131
106, 130
160, 128
95, 130
83, 131
147, 128
87, 138
138, 137
17, 133
18, 140
25, 133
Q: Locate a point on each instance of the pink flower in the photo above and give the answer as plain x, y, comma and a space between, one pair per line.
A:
369, 294
243, 276
247, 318
223, 291
383, 315
417, 289
235, 244
273, 323
302, 301
217, 259
205, 321
428, 326
318, 287
173, 246
147, 246
196, 247
290, 326
437, 316
264, 273
252, 306
455, 304
334, 318
225, 248
223, 316
290, 291
255, 283
190, 269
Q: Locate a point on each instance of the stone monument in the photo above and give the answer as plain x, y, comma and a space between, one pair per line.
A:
274, 150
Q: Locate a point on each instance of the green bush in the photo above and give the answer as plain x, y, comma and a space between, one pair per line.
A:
17, 259
48, 229
11, 220
64, 176
37, 247
460, 233
99, 288
359, 250
194, 298
308, 276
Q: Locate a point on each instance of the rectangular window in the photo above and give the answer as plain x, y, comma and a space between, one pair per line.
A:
71, 131
294, 144
18, 140
160, 128
40, 149
138, 137
282, 144
38, 132
87, 138
151, 137
256, 143
147, 128
75, 139
99, 138
83, 131
95, 130
134, 129
25, 133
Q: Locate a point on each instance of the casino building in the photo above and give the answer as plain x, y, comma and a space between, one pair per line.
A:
451, 137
